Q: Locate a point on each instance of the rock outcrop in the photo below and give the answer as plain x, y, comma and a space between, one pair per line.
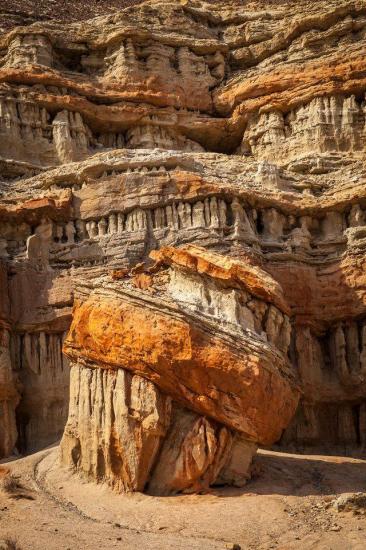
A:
236, 129
177, 364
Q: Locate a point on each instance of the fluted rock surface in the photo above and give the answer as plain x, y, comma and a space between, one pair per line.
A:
9, 395
240, 129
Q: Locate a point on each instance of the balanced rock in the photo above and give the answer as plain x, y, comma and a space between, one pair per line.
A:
178, 373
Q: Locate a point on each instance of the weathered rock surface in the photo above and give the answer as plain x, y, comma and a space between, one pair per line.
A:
187, 327
354, 502
9, 395
239, 129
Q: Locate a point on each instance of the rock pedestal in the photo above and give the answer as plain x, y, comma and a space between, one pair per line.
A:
173, 385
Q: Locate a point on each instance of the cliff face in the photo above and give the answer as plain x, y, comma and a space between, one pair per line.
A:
238, 129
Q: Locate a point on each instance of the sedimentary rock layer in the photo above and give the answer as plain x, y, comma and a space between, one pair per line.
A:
240, 129
208, 332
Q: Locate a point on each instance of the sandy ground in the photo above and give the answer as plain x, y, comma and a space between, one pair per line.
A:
287, 506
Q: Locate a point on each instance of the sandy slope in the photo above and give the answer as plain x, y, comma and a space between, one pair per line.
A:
287, 506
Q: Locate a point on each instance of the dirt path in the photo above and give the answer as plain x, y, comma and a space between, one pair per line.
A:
288, 506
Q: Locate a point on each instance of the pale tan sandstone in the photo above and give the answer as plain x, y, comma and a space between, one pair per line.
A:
115, 425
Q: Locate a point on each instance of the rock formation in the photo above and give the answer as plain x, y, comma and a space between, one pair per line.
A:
167, 126
175, 366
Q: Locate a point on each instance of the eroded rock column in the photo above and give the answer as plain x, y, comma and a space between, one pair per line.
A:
177, 374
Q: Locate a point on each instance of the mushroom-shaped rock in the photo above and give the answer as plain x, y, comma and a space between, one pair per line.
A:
198, 333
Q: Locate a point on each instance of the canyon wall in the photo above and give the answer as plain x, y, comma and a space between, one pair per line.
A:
238, 129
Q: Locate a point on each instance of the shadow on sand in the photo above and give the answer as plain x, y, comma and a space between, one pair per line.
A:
302, 475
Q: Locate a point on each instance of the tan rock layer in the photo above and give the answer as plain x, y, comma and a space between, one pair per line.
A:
250, 277
32, 211
284, 91
197, 369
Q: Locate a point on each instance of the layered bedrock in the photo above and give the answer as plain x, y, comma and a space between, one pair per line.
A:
179, 372
240, 128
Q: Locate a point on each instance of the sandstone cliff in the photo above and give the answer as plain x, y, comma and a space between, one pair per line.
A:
238, 129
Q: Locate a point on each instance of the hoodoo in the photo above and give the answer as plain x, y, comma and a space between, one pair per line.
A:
178, 373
